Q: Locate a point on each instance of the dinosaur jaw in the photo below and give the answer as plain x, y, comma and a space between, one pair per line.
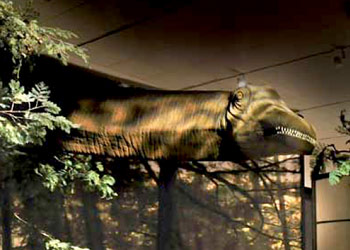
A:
290, 140
281, 130
277, 138
284, 142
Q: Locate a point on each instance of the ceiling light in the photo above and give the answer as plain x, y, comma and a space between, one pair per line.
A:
241, 81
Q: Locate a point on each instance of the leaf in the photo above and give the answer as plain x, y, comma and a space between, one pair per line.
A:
15, 87
51, 177
51, 107
333, 178
64, 124
40, 92
99, 166
108, 180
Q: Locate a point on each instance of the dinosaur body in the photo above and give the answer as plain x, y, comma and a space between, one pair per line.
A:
250, 122
152, 125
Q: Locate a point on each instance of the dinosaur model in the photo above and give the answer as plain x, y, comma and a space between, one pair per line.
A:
251, 122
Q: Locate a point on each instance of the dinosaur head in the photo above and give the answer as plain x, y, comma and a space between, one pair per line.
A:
263, 125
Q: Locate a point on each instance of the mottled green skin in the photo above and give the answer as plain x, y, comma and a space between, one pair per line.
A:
193, 125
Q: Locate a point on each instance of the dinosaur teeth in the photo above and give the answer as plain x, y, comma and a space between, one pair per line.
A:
295, 133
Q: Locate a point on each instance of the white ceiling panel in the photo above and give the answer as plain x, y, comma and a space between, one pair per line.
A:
92, 18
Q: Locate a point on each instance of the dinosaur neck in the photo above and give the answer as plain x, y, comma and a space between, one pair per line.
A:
153, 112
203, 144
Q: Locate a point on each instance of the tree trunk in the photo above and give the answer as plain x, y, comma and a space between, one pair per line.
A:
58, 218
94, 230
6, 216
197, 229
67, 226
167, 230
32, 213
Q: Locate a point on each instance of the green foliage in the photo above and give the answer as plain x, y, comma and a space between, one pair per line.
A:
22, 36
77, 168
343, 169
26, 117
55, 244
27, 114
341, 159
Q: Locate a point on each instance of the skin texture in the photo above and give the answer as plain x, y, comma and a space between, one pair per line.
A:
251, 122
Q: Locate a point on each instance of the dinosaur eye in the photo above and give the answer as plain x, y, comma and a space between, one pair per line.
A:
240, 100
239, 95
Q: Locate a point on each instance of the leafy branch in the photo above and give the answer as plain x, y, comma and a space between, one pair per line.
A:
340, 158
26, 117
343, 169
22, 36
51, 243
77, 167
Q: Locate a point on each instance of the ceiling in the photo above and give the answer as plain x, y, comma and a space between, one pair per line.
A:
173, 44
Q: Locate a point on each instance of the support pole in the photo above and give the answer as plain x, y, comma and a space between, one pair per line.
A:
167, 226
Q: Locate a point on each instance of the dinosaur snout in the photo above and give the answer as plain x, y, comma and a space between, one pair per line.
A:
279, 131
292, 132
